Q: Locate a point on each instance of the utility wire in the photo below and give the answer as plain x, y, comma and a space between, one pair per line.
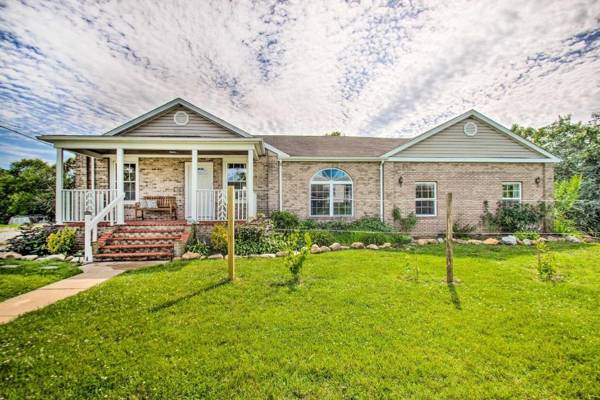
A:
24, 135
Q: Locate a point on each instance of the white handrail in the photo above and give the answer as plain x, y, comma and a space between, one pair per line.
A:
212, 204
91, 226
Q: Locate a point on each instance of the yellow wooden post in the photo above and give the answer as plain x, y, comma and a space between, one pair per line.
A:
231, 232
449, 249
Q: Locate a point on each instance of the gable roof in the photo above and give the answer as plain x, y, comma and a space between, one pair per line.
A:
331, 146
150, 115
476, 115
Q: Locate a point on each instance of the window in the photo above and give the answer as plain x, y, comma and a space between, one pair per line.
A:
130, 180
331, 193
236, 175
425, 199
511, 193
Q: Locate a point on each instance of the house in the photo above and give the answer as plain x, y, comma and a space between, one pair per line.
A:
183, 152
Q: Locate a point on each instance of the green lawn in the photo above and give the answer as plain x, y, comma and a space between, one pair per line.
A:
361, 326
29, 275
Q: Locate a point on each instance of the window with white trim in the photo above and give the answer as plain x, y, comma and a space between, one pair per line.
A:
130, 181
331, 193
511, 193
426, 199
236, 175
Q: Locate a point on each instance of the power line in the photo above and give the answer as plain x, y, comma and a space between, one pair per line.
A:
24, 135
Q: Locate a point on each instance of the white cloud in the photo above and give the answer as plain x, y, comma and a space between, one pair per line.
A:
307, 67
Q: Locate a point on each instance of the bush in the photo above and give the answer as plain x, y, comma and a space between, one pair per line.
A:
322, 238
398, 240
257, 239
198, 247
370, 224
514, 217
462, 229
32, 240
218, 239
295, 260
285, 220
545, 263
62, 241
407, 223
531, 235
377, 238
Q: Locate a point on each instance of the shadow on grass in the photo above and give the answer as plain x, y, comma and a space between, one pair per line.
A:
497, 252
167, 266
292, 284
454, 296
188, 296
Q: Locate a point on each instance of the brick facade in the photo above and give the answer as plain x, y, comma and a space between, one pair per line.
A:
470, 183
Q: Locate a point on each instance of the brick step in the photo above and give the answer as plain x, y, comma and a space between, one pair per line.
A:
150, 230
132, 241
117, 236
137, 246
153, 255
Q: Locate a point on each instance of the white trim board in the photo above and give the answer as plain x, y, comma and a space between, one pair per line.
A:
482, 118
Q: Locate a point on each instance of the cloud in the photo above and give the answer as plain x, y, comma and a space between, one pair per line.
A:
391, 68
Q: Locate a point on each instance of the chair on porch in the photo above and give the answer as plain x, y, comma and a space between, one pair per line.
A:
156, 204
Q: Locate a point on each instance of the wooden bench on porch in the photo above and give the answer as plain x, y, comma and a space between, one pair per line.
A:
165, 204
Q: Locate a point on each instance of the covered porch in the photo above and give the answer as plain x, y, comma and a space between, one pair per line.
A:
122, 180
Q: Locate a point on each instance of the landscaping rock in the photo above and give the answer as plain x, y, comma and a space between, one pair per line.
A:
386, 245
324, 249
460, 241
357, 245
373, 247
509, 240
421, 242
526, 242
10, 254
431, 241
440, 240
53, 257
282, 253
573, 239
490, 241
217, 256
31, 257
267, 255
77, 260
190, 255
344, 247
474, 241
69, 258
335, 247
314, 249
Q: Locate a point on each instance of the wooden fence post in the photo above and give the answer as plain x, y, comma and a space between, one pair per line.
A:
449, 250
231, 232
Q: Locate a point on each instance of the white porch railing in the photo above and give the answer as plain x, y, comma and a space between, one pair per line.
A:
212, 204
91, 225
75, 202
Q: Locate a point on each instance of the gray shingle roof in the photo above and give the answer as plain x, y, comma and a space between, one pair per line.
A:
332, 146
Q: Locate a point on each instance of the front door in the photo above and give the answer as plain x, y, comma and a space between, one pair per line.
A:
205, 185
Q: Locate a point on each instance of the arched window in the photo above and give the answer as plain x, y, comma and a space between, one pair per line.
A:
331, 193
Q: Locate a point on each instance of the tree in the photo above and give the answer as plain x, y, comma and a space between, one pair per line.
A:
578, 145
334, 133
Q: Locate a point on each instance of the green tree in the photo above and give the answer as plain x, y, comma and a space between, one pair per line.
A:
578, 145
334, 133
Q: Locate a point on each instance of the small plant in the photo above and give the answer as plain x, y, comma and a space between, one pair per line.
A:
399, 240
545, 263
62, 241
377, 238
198, 247
531, 235
218, 239
407, 223
462, 230
285, 220
32, 240
295, 258
322, 238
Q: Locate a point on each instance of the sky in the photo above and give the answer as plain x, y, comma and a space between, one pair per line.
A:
390, 69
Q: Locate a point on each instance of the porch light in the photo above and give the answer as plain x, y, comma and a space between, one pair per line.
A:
400, 180
537, 180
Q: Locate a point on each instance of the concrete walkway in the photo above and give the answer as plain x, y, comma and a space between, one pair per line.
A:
92, 275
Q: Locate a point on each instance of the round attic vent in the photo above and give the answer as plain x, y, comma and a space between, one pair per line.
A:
181, 118
470, 129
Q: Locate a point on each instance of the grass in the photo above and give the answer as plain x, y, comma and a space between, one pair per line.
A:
29, 275
9, 226
362, 325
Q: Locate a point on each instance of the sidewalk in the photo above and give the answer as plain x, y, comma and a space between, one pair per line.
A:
92, 275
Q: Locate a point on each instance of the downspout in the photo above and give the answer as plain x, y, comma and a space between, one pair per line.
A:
381, 191
280, 185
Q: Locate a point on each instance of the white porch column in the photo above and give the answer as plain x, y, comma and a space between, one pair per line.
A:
194, 186
59, 185
250, 184
120, 185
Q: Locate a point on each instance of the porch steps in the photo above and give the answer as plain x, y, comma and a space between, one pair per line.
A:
149, 240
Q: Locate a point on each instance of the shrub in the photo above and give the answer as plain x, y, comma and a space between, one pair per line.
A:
514, 217
531, 235
62, 241
377, 238
285, 220
32, 240
407, 223
545, 263
371, 224
322, 238
566, 194
462, 229
295, 259
398, 239
218, 239
257, 239
198, 247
